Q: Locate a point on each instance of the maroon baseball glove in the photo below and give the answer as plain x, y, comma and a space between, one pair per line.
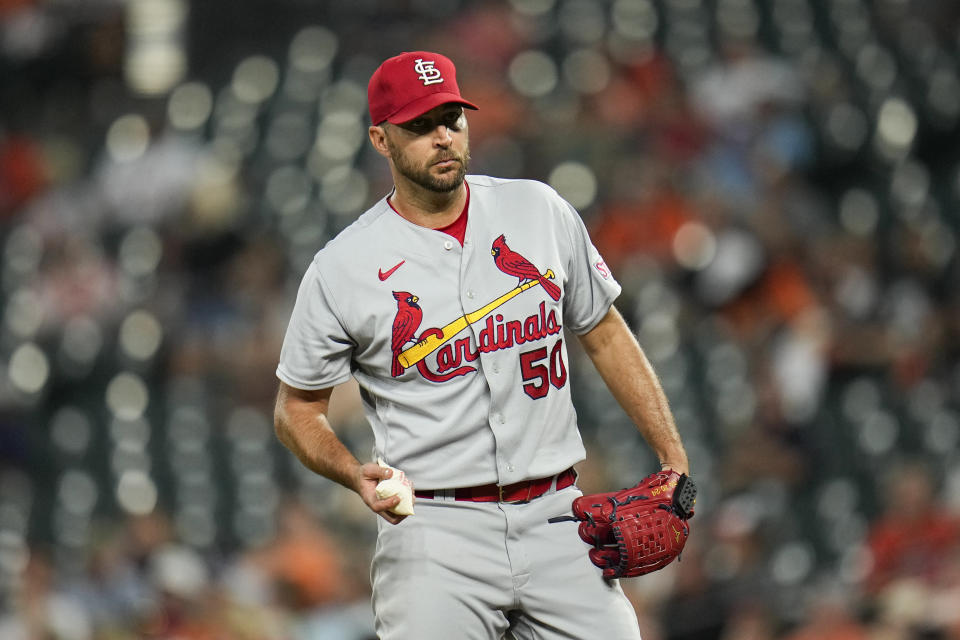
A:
637, 530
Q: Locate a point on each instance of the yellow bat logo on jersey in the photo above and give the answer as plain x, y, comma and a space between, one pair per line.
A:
412, 355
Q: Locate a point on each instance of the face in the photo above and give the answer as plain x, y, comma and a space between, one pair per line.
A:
432, 150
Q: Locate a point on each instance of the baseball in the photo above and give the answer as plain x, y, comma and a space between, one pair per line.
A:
397, 485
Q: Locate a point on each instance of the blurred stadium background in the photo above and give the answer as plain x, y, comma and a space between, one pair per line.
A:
776, 184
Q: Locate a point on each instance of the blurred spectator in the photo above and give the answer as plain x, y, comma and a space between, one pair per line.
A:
22, 173
914, 535
830, 616
696, 609
303, 563
46, 611
750, 621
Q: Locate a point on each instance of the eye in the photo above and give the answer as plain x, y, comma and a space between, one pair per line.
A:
453, 120
417, 126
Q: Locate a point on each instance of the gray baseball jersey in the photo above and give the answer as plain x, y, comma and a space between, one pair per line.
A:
458, 350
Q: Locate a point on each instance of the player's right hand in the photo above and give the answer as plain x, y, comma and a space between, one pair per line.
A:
370, 475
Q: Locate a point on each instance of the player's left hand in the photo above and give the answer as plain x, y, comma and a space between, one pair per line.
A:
370, 476
637, 530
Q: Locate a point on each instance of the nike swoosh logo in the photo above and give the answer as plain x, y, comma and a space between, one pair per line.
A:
389, 272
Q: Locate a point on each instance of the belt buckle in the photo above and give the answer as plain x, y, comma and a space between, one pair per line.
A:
523, 500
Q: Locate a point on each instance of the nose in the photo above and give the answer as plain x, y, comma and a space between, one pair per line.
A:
442, 136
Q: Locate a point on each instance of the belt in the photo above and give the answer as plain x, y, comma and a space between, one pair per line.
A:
518, 492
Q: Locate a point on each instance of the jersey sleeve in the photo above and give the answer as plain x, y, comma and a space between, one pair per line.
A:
316, 351
590, 286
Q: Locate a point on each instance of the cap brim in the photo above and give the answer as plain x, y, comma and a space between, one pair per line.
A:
426, 103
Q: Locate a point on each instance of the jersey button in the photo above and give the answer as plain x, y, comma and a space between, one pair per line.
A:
447, 245
470, 293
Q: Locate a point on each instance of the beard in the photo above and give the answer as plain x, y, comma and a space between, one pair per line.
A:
421, 175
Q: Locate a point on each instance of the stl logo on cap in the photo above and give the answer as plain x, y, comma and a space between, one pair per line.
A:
428, 73
410, 84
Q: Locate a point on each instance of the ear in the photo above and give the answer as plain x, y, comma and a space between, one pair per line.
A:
378, 138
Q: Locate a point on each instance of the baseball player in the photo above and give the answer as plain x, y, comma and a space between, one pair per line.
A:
450, 301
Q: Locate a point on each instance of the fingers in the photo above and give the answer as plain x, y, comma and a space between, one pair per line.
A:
392, 518
384, 508
372, 474
373, 471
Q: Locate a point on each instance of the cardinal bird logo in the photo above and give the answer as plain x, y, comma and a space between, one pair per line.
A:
405, 325
514, 264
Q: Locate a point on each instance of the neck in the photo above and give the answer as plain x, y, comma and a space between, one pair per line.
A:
428, 208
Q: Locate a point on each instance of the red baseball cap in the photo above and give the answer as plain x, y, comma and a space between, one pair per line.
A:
410, 84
